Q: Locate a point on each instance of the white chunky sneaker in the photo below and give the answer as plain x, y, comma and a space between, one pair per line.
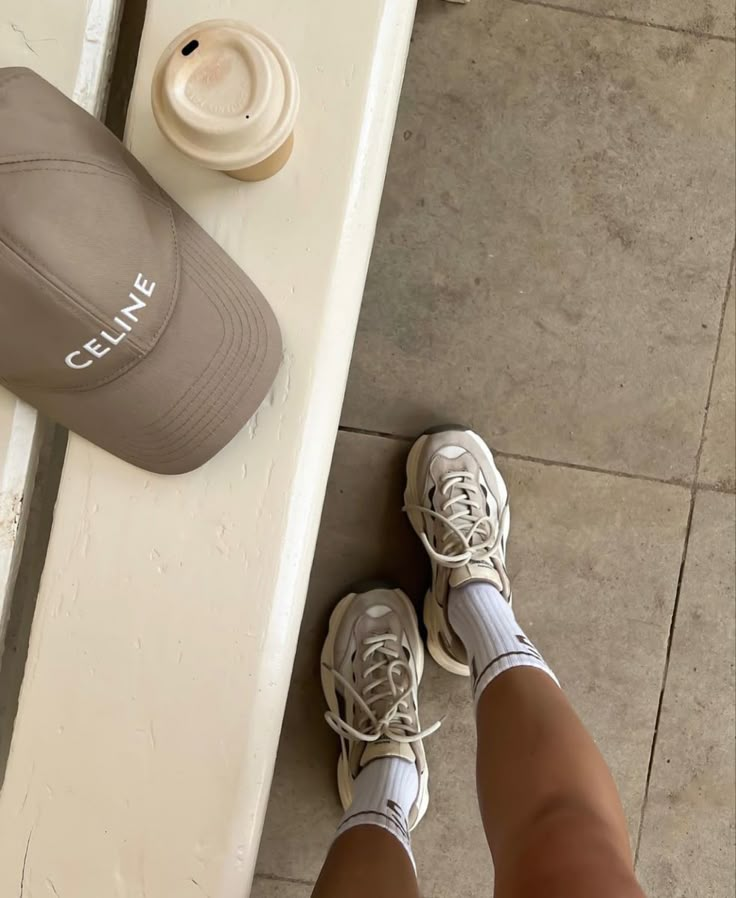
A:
457, 503
372, 663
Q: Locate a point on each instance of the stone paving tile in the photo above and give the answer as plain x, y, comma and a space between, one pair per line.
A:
687, 845
279, 888
595, 560
718, 462
554, 238
701, 16
363, 536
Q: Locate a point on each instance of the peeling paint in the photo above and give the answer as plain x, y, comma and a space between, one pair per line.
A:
10, 512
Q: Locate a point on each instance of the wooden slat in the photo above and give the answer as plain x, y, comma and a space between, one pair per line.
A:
168, 615
72, 45
19, 432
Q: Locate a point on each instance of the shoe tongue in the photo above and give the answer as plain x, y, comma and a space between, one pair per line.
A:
386, 748
474, 571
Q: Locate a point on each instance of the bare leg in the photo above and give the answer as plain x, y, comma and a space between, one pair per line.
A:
551, 812
353, 862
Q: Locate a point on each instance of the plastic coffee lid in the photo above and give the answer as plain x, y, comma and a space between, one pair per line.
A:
225, 94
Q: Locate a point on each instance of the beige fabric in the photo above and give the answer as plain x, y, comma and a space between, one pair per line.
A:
119, 316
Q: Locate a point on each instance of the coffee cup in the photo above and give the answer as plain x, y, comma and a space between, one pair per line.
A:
227, 96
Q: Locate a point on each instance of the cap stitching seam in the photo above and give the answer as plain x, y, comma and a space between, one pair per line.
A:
183, 423
81, 161
199, 387
79, 313
34, 263
47, 282
235, 314
38, 268
235, 389
175, 454
140, 455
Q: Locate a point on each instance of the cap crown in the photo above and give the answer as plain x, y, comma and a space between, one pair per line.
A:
89, 262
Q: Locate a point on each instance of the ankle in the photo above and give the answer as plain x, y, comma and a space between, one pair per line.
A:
493, 640
385, 793
474, 606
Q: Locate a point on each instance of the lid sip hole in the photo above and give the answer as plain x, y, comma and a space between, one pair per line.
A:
189, 48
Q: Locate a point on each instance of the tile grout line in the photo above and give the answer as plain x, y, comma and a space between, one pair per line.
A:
363, 432
272, 877
560, 7
686, 544
548, 462
592, 469
716, 356
665, 671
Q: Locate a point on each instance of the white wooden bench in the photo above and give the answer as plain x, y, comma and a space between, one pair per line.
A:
169, 609
18, 454
72, 46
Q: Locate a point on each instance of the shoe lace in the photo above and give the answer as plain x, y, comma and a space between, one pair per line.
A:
388, 699
467, 533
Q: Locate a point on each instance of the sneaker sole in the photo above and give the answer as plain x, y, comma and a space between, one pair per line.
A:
344, 777
433, 613
433, 618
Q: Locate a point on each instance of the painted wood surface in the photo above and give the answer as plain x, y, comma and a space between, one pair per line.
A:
169, 610
71, 43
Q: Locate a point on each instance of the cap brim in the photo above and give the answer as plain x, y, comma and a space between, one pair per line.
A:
206, 376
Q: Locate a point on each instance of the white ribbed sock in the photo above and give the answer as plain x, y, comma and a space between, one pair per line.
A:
383, 795
493, 639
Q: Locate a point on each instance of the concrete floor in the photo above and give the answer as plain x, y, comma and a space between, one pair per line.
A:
554, 266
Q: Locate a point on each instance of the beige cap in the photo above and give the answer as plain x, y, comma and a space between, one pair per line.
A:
119, 316
226, 95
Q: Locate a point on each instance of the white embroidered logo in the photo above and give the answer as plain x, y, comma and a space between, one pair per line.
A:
94, 347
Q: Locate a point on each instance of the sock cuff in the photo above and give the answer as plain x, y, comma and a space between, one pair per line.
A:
381, 820
507, 663
493, 639
383, 795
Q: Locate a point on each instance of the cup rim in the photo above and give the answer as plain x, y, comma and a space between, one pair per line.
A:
244, 158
